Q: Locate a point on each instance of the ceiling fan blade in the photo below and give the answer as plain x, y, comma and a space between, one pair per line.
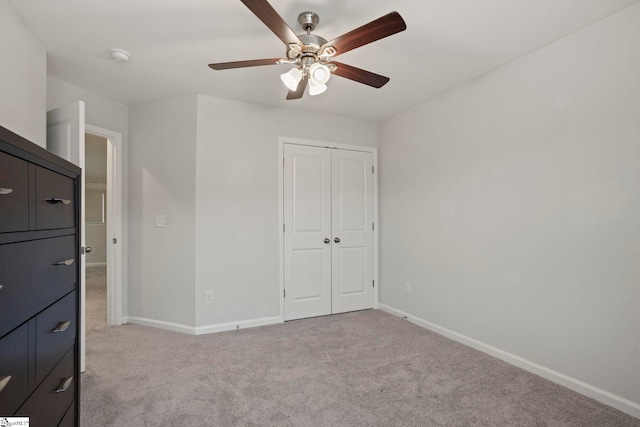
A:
242, 64
382, 27
297, 94
268, 15
359, 75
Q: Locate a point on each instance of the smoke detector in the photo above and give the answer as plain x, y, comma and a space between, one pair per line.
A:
120, 55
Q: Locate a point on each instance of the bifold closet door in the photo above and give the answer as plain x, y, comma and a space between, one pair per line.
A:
352, 231
328, 237
307, 219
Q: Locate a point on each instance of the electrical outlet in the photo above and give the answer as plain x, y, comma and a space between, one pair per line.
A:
161, 221
208, 297
407, 288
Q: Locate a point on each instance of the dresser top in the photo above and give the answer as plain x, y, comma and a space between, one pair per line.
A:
18, 146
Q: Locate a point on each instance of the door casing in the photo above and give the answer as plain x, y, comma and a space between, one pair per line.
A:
324, 144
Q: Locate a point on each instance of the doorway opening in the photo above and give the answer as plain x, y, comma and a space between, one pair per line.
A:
103, 219
95, 196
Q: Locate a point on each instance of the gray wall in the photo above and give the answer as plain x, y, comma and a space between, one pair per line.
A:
211, 166
162, 162
99, 111
23, 75
512, 203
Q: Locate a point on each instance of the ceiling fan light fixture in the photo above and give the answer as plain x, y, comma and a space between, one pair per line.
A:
313, 55
315, 89
319, 74
291, 78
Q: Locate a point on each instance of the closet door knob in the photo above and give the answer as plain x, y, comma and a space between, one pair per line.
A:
54, 200
5, 190
337, 240
327, 241
64, 385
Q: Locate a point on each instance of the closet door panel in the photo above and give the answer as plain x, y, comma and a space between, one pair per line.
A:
307, 216
352, 220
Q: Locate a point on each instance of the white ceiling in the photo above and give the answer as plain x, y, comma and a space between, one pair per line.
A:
447, 42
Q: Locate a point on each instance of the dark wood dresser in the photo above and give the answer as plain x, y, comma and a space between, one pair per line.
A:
39, 286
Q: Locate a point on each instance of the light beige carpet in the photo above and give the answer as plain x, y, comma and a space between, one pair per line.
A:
358, 369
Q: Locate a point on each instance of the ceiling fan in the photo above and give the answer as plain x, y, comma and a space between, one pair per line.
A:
312, 55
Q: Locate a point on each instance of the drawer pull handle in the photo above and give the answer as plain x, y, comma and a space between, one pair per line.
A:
4, 381
65, 262
59, 200
64, 385
62, 326
1, 286
4, 191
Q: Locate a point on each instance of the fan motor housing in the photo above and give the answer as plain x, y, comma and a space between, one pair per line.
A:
311, 42
308, 20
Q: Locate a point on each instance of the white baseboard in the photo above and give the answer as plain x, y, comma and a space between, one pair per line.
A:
96, 264
201, 330
231, 326
603, 396
175, 327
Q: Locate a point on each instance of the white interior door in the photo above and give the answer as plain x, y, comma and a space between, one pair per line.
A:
352, 231
65, 137
307, 218
328, 236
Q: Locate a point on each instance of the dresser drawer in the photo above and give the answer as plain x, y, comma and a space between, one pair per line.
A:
48, 404
55, 200
33, 275
14, 194
14, 369
69, 419
55, 333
